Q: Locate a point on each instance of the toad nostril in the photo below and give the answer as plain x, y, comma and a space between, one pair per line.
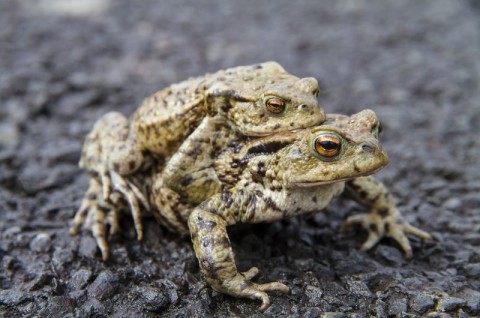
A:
303, 107
367, 148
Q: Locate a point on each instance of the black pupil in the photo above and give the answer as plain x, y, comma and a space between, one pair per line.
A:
276, 104
328, 145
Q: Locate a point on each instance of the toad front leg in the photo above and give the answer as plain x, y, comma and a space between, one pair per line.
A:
207, 224
384, 220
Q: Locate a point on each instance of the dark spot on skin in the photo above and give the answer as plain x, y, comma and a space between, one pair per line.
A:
271, 204
269, 147
131, 165
226, 106
387, 227
193, 235
240, 192
373, 228
235, 163
314, 199
209, 266
244, 161
206, 225
186, 180
195, 151
116, 166
277, 126
226, 197
383, 212
223, 242
356, 168
91, 196
261, 169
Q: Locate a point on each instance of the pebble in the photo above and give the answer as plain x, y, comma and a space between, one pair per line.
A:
453, 204
422, 302
472, 270
396, 305
80, 279
104, 286
42, 243
152, 299
449, 303
472, 297
58, 306
11, 297
314, 294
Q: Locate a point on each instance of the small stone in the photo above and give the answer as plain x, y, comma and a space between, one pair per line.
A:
42, 243
152, 299
58, 306
472, 297
88, 246
422, 302
472, 270
61, 257
396, 305
314, 294
11, 298
93, 308
80, 279
453, 204
103, 286
40, 281
449, 303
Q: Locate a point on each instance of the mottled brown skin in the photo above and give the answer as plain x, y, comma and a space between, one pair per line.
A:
273, 178
183, 116
282, 176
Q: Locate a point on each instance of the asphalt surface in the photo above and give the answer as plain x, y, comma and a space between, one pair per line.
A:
417, 64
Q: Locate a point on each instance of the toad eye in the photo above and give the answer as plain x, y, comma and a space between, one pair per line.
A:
327, 145
275, 105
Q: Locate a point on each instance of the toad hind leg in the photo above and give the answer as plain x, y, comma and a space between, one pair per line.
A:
384, 220
111, 153
96, 215
214, 252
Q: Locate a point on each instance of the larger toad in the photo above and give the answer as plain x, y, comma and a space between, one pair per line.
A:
251, 101
277, 177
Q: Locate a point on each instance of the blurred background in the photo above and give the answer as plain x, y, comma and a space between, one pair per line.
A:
65, 63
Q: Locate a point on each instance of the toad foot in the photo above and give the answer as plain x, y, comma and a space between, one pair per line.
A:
392, 227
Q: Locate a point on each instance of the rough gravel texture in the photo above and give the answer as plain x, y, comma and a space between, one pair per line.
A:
416, 63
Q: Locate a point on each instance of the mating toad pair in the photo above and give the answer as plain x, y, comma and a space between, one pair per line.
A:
246, 144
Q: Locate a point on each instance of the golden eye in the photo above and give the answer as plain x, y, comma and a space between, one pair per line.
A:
275, 105
327, 145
